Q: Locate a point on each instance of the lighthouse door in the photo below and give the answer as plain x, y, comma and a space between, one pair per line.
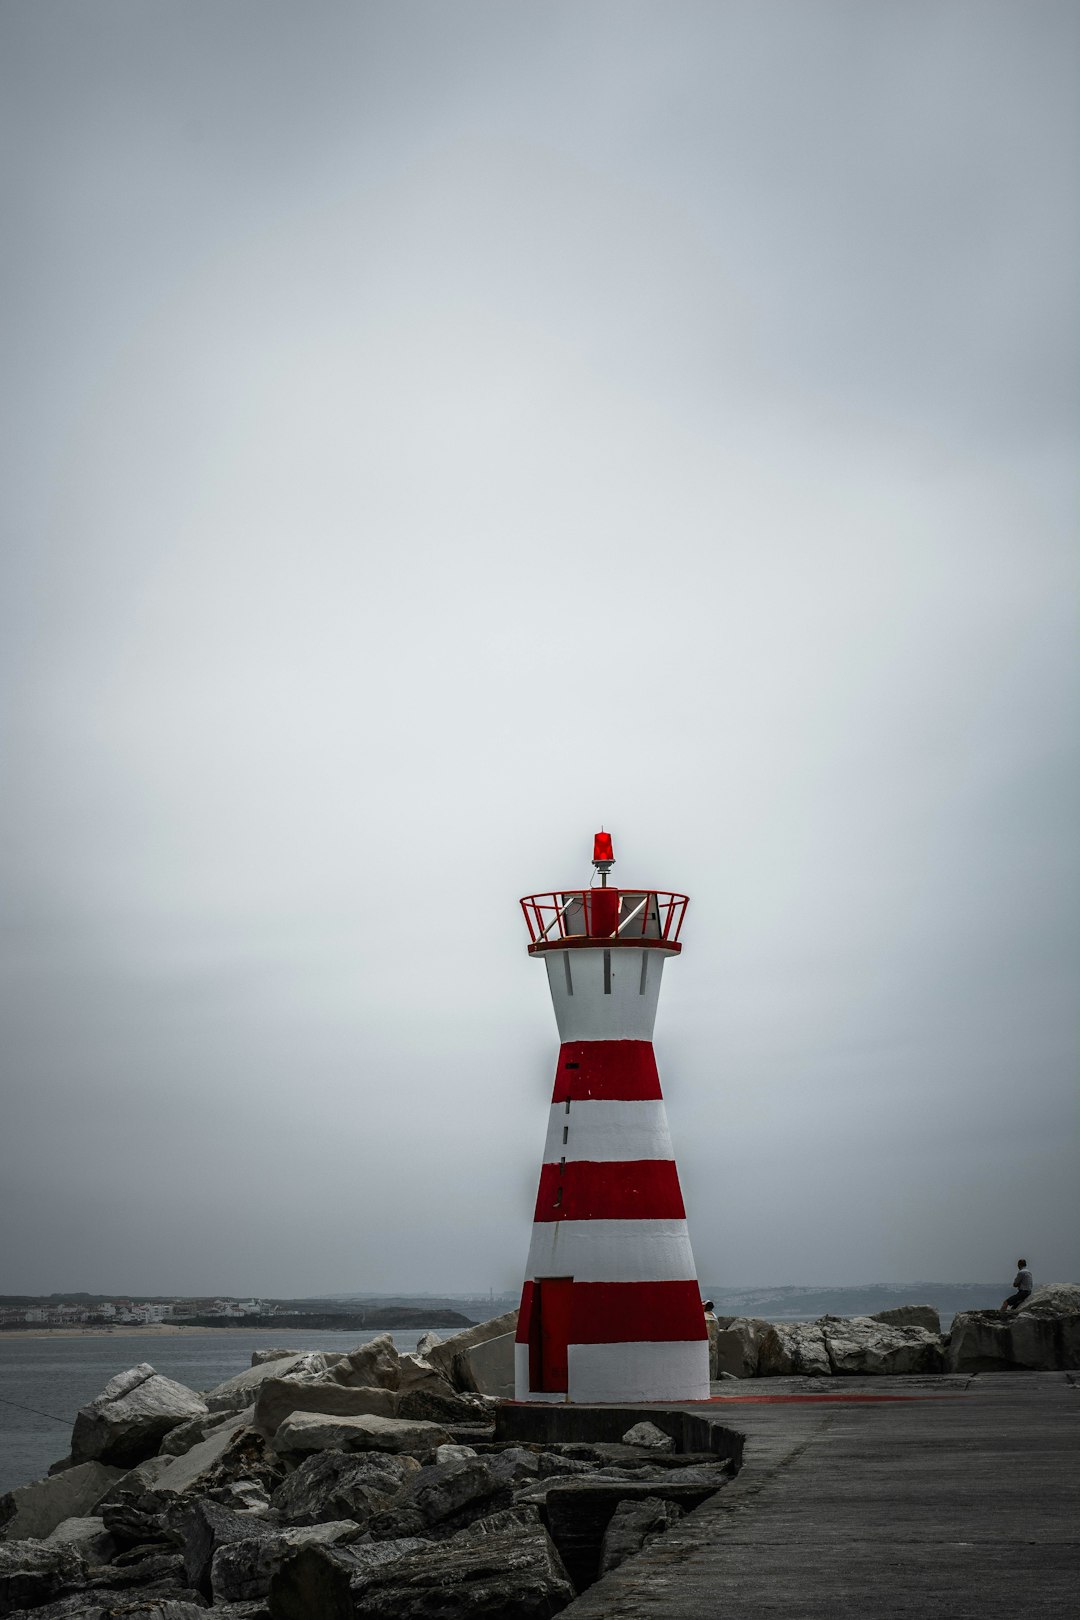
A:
554, 1330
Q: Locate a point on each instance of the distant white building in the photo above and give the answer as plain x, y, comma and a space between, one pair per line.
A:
36, 1313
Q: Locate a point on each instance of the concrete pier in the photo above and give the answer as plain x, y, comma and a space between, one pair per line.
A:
951, 1497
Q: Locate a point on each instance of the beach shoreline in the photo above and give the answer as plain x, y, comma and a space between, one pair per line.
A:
146, 1330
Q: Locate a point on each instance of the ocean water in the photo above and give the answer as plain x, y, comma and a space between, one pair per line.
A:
55, 1376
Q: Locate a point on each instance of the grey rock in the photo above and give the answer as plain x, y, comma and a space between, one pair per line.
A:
516, 1575
137, 1518
32, 1572
738, 1346
453, 1453
142, 1571
317, 1583
143, 1477
109, 1604
279, 1397
374, 1365
258, 1357
241, 1570
339, 1485
924, 1316
491, 1366
555, 1464
443, 1497
195, 1465
236, 1393
794, 1347
632, 1526
647, 1434
207, 1526
304, 1432
131, 1417
415, 1373
87, 1535
860, 1345
35, 1510
430, 1405
451, 1358
514, 1464
186, 1435
1033, 1341
1053, 1299
427, 1341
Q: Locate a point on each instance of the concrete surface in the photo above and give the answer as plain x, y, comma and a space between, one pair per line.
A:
960, 1498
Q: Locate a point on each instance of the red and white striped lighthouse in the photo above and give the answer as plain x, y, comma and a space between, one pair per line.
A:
611, 1309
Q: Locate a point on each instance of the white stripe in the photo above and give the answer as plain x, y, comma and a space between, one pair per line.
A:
608, 1131
622, 1013
640, 1372
612, 1251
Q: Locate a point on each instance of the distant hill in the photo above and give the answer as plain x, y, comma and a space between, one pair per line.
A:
796, 1303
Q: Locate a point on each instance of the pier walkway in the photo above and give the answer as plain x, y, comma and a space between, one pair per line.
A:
957, 1498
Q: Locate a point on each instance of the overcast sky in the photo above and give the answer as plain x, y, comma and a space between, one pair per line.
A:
436, 429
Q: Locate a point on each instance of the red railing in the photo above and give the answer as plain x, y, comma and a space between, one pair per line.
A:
604, 914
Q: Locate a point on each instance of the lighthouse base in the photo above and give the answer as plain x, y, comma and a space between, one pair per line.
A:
669, 1371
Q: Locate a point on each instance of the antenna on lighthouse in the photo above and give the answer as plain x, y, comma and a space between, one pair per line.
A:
603, 856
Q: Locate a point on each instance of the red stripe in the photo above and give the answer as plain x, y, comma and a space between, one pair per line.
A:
613, 1071
585, 1190
525, 1314
636, 1313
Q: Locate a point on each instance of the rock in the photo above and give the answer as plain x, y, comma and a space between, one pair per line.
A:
236, 1393
279, 1397
143, 1477
186, 1435
443, 1497
316, 1583
1053, 1299
332, 1485
131, 1417
415, 1373
793, 1347
632, 1526
515, 1464
1027, 1340
258, 1357
427, 1341
924, 1316
192, 1468
35, 1510
738, 1346
208, 1526
647, 1434
87, 1535
453, 1453
241, 1570
374, 1365
304, 1432
860, 1345
491, 1366
429, 1405
32, 1572
142, 1571
138, 1518
451, 1358
516, 1575
112, 1604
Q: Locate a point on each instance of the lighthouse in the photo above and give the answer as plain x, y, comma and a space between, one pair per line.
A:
611, 1309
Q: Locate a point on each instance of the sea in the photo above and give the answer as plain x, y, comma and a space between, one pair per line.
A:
45, 1380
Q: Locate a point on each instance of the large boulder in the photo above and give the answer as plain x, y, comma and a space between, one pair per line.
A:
860, 1345
207, 1527
191, 1470
924, 1316
632, 1526
304, 1432
36, 1510
738, 1346
259, 1356
242, 1569
317, 1582
453, 1358
89, 1537
32, 1572
1039, 1340
1053, 1299
131, 1417
372, 1365
794, 1347
236, 1393
444, 1497
331, 1485
513, 1574
279, 1397
491, 1366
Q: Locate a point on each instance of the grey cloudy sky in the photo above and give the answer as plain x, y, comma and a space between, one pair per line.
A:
437, 429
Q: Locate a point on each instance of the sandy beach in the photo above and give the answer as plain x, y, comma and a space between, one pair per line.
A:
145, 1330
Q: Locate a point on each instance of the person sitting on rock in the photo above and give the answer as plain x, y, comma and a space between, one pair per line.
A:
1023, 1284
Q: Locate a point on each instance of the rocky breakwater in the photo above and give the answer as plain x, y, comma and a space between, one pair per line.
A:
361, 1486
1043, 1336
